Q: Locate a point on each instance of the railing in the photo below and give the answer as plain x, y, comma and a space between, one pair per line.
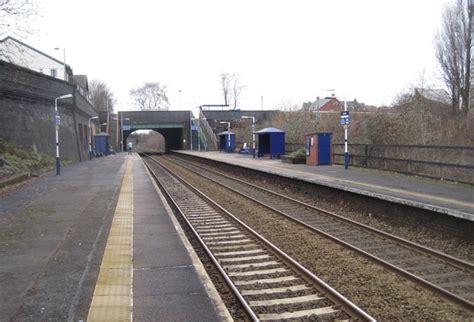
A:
201, 137
207, 131
435, 161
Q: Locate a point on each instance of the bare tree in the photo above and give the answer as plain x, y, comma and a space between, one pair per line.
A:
225, 86
150, 97
453, 46
237, 89
15, 16
101, 96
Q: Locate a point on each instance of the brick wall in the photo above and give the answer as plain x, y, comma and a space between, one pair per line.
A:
27, 111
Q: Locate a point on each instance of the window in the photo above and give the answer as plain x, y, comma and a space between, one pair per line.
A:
53, 72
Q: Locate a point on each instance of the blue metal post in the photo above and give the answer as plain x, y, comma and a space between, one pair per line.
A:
346, 148
56, 120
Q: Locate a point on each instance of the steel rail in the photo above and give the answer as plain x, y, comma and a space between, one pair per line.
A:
348, 307
224, 275
452, 260
457, 262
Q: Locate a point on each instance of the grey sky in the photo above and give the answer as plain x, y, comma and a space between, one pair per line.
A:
283, 50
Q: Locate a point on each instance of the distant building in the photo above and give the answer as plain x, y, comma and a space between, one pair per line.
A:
82, 84
17, 52
331, 103
433, 94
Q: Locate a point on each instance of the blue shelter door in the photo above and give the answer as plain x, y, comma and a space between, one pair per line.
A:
324, 148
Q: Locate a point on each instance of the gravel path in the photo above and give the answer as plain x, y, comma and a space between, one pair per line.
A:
381, 293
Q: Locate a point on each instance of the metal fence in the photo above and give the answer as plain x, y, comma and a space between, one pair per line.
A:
435, 161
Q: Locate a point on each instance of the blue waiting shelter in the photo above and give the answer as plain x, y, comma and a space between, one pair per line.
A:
224, 139
271, 141
101, 144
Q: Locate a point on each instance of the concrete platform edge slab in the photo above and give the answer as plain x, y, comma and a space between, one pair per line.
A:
207, 283
315, 179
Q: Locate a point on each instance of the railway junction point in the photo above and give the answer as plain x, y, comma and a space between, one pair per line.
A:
96, 241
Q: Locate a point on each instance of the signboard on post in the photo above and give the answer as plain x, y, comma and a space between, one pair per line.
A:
344, 121
57, 119
344, 118
126, 128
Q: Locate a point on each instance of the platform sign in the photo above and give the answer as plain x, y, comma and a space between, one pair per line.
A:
345, 118
125, 127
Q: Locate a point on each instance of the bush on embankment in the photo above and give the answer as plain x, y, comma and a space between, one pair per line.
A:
16, 159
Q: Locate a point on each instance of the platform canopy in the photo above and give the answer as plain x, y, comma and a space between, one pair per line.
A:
225, 133
269, 130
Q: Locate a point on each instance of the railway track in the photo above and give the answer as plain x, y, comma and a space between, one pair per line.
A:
448, 276
269, 284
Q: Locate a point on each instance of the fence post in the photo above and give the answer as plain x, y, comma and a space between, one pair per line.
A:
366, 155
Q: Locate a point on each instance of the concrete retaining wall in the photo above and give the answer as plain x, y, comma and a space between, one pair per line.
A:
27, 112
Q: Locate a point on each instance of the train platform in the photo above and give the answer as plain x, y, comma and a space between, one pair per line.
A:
98, 243
439, 196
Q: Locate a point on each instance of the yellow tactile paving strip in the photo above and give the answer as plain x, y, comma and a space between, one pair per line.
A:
113, 300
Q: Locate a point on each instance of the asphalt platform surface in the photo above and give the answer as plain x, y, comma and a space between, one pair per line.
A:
53, 232
435, 195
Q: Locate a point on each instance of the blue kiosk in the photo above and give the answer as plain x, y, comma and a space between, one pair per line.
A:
271, 141
101, 144
226, 141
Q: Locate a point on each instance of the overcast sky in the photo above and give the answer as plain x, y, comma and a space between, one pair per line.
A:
281, 50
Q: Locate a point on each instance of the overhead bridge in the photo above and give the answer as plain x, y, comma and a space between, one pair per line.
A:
173, 125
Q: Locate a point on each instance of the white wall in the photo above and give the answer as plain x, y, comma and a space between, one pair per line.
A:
18, 54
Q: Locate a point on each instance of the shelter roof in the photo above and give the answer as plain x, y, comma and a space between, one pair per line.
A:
102, 134
269, 130
226, 133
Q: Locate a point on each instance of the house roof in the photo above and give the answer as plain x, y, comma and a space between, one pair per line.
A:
433, 94
81, 80
36, 50
320, 102
269, 130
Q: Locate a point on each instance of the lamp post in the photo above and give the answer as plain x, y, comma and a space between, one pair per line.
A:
64, 61
57, 122
90, 136
228, 135
253, 132
121, 128
191, 128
